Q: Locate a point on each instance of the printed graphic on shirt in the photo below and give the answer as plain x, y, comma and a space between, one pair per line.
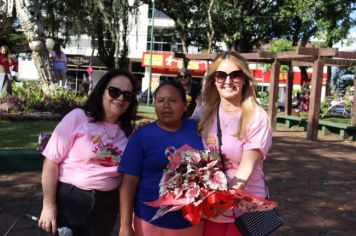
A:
211, 142
106, 154
95, 138
169, 152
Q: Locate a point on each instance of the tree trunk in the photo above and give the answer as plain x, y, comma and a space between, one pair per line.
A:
304, 74
211, 31
328, 73
116, 40
124, 61
31, 21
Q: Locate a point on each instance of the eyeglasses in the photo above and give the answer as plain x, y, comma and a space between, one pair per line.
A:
116, 92
183, 76
235, 76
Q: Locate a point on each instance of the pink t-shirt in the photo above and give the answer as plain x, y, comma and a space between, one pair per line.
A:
61, 58
259, 136
87, 158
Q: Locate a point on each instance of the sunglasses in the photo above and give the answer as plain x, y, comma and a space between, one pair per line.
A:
235, 76
116, 92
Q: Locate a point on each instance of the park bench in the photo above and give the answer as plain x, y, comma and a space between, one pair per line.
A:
290, 121
326, 127
343, 130
20, 160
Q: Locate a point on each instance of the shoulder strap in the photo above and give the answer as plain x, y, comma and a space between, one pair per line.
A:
219, 134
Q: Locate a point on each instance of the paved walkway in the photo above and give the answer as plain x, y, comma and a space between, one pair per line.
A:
314, 183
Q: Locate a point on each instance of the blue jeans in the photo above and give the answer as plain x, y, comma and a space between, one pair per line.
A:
87, 212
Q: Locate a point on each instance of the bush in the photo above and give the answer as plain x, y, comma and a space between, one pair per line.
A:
29, 97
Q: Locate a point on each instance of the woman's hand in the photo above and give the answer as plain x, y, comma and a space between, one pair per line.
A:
126, 231
127, 195
250, 158
48, 221
237, 183
141, 124
48, 218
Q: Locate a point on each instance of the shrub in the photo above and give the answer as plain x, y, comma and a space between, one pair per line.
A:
29, 97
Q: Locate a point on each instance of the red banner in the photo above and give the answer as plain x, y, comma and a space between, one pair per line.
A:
161, 60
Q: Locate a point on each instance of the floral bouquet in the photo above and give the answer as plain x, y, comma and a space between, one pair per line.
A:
193, 181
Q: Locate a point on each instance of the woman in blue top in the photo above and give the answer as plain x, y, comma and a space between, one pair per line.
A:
143, 162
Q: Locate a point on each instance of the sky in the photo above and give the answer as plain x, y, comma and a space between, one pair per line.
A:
350, 44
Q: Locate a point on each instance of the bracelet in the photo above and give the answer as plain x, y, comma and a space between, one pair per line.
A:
240, 183
238, 180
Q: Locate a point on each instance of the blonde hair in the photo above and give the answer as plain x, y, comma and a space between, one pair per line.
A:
7, 51
211, 95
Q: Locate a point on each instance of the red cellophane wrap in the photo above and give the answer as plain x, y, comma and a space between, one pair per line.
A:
193, 181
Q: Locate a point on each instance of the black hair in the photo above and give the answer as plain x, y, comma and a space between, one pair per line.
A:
94, 106
57, 49
176, 85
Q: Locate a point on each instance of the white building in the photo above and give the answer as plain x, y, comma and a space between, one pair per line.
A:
139, 38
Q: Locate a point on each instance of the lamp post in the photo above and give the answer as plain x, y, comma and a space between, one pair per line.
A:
151, 48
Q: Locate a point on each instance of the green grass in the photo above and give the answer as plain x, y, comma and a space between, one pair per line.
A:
335, 119
341, 120
24, 134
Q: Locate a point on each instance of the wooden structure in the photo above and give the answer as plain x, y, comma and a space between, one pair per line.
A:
303, 56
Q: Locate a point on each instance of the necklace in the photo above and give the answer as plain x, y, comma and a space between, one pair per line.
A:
229, 122
107, 132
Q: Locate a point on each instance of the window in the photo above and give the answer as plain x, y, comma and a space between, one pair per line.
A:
158, 13
164, 78
137, 67
164, 40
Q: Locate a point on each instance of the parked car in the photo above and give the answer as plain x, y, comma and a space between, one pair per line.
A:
142, 97
281, 105
339, 110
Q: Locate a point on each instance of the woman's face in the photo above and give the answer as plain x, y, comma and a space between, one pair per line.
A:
116, 98
228, 89
169, 105
3, 50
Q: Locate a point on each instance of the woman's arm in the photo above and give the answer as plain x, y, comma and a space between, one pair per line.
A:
48, 216
250, 158
127, 195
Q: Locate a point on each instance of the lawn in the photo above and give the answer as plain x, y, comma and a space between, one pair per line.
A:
24, 134
329, 118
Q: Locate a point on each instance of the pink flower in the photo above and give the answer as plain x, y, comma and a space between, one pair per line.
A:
217, 181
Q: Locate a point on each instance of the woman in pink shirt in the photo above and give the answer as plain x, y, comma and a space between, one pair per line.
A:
59, 64
229, 92
79, 178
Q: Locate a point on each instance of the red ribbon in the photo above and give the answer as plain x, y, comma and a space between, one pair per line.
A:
192, 213
213, 205
216, 203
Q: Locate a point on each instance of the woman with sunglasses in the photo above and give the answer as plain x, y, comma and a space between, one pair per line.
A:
79, 179
144, 159
230, 103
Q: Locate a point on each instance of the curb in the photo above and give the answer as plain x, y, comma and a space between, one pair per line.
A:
20, 160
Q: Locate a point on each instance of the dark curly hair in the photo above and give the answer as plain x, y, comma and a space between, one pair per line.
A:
94, 106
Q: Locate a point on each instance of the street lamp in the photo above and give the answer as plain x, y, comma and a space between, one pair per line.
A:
151, 48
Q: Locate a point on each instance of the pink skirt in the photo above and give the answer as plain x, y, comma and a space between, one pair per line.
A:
143, 228
220, 229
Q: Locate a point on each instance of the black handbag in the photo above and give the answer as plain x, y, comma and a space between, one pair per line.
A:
259, 223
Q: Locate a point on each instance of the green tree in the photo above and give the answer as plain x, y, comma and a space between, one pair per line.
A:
106, 21
244, 25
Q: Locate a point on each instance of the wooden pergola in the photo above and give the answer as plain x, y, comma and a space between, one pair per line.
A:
303, 56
